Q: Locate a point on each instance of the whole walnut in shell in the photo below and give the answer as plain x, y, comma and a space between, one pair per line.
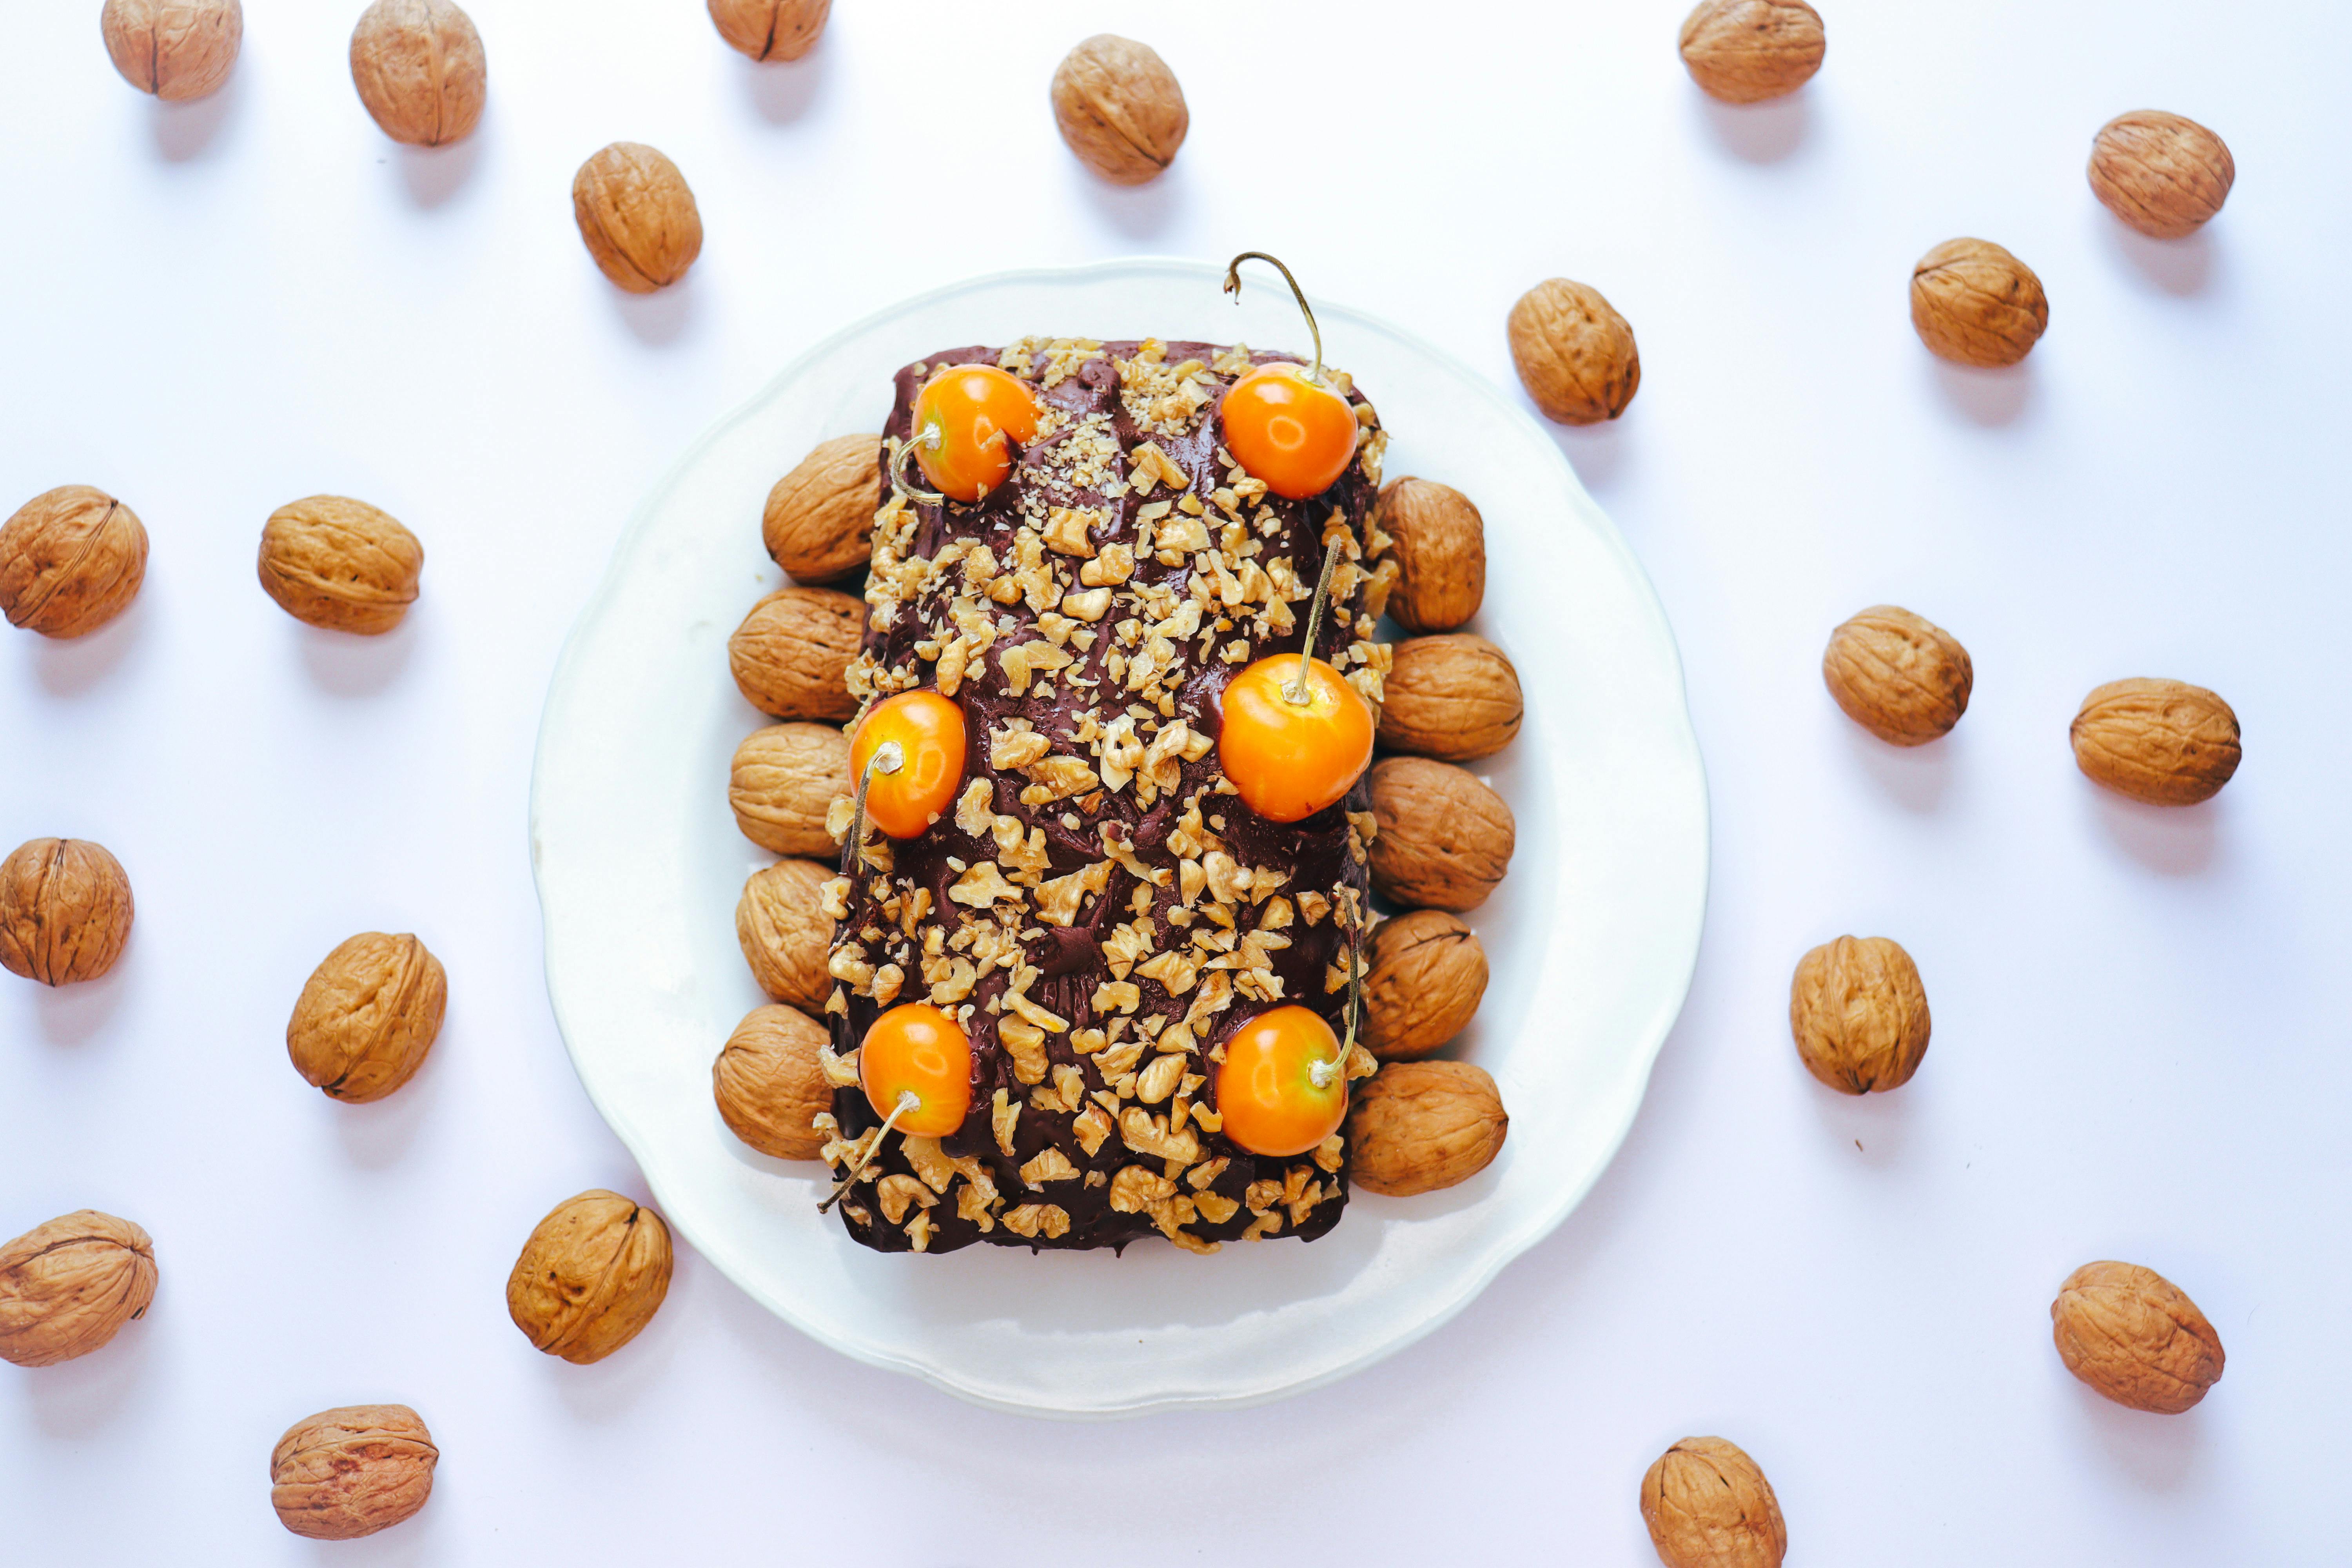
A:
67, 1287
1899, 675
1859, 1014
592, 1275
819, 522
1119, 109
1455, 697
340, 564
2131, 1335
65, 910
72, 560
1974, 303
791, 655
1445, 840
1708, 1505
770, 1085
637, 216
1439, 543
1414, 1127
176, 49
367, 1017
770, 30
1745, 51
1574, 353
352, 1471
2163, 174
783, 784
1428, 975
2163, 742
419, 67
785, 934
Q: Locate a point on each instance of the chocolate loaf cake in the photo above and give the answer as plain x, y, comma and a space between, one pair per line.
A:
1100, 911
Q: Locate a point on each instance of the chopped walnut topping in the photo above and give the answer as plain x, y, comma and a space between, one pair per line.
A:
1093, 1128
1050, 1165
1148, 1134
1049, 1220
1058, 901
894, 1193
1003, 1116
1160, 1079
1216, 1207
978, 888
1135, 1188
840, 1072
1026, 1044
1011, 749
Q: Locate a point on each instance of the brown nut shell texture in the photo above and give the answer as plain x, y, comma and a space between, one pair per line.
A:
1439, 543
1745, 51
72, 560
2163, 742
785, 934
1428, 976
341, 564
352, 1471
1419, 1126
1859, 1014
2163, 174
1119, 107
65, 910
176, 49
592, 1275
770, 30
819, 522
2135, 1337
1455, 697
637, 216
1899, 675
783, 784
1708, 1505
1574, 353
67, 1287
419, 69
791, 655
770, 1085
1974, 303
1445, 840
367, 1017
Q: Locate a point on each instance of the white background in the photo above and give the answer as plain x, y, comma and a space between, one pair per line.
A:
2140, 1040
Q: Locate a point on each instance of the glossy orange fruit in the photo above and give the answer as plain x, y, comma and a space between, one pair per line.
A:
929, 732
914, 1048
1294, 433
1267, 1090
968, 417
1290, 759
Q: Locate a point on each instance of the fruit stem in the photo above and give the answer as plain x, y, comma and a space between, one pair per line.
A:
1321, 1073
1297, 693
928, 439
1234, 286
888, 758
907, 1102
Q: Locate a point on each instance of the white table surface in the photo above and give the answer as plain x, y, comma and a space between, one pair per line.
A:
2140, 1042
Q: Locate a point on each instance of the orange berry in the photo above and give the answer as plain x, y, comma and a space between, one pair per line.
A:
929, 731
1267, 1090
916, 1049
967, 418
1297, 435
1291, 758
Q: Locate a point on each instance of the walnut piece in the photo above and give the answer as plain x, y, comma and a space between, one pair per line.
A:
352, 1471
1574, 353
1974, 303
1899, 675
769, 1084
785, 934
1455, 697
176, 49
65, 910
419, 68
1428, 975
1440, 544
1119, 109
367, 1017
67, 1287
2163, 174
636, 216
72, 560
819, 522
2131, 1335
340, 564
2163, 742
1419, 1126
1745, 51
1445, 840
770, 30
791, 654
592, 1274
1708, 1505
784, 782
1859, 1014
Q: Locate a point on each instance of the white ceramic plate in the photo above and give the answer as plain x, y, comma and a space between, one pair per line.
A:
1591, 937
